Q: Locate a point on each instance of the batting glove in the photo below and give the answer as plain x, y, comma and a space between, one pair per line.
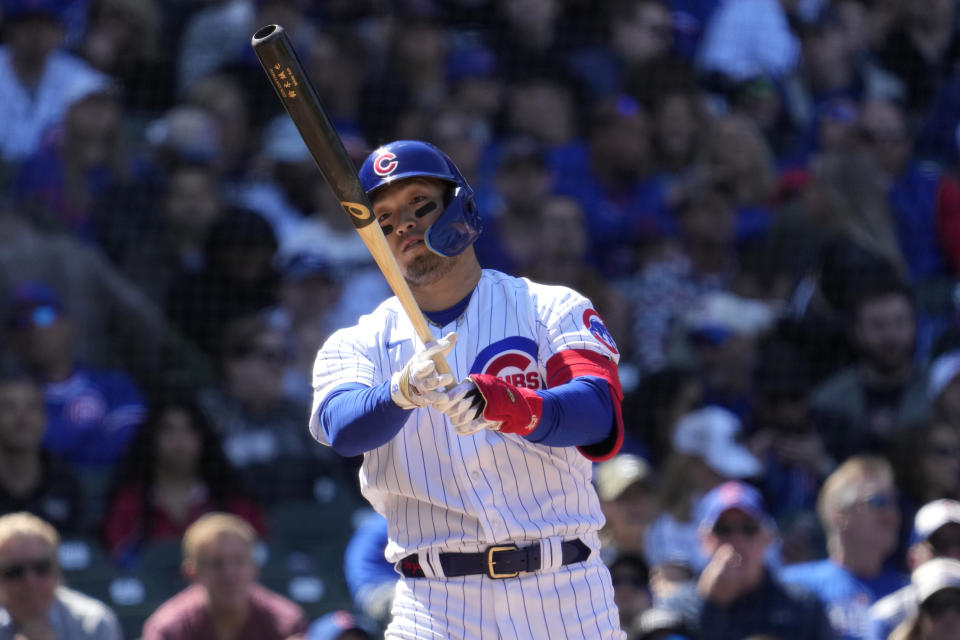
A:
419, 384
487, 402
463, 405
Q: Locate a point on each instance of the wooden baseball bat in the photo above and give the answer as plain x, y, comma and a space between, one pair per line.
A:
300, 99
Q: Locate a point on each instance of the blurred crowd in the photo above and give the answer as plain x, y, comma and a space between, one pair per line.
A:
761, 198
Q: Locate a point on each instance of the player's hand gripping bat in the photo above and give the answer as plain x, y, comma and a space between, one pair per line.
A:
300, 99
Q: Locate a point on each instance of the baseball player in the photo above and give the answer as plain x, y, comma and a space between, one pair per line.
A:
484, 476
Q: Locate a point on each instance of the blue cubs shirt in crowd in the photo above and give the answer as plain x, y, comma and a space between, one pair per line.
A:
846, 597
92, 416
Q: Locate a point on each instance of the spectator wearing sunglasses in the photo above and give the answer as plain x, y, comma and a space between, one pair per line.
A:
936, 534
33, 603
858, 510
31, 479
262, 429
736, 596
926, 463
937, 587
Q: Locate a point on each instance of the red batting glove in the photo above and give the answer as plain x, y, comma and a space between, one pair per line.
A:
518, 410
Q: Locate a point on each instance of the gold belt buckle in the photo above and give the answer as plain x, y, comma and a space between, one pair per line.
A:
490, 561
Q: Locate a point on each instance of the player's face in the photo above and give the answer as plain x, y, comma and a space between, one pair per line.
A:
405, 211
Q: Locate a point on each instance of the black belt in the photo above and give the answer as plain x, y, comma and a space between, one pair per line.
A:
498, 561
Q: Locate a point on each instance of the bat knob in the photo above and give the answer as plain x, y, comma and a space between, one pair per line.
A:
267, 33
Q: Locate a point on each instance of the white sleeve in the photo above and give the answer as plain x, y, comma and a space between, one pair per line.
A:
343, 358
572, 323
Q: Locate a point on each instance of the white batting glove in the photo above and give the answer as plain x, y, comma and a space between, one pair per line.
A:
463, 405
419, 384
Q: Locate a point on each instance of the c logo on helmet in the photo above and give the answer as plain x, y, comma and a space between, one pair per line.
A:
385, 163
594, 324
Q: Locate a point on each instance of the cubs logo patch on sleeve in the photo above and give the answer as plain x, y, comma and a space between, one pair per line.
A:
594, 324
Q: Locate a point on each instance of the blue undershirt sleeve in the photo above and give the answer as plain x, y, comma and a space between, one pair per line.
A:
356, 418
577, 413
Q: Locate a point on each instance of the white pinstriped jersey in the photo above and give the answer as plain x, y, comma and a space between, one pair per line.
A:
440, 491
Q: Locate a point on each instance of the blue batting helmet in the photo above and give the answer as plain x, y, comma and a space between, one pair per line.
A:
459, 224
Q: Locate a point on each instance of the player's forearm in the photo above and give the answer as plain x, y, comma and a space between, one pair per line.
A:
356, 418
577, 413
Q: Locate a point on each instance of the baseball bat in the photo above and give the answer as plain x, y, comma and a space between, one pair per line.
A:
286, 74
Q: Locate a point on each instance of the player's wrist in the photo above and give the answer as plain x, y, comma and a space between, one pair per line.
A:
399, 390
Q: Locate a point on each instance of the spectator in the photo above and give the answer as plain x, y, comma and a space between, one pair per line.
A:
749, 39
858, 510
174, 472
785, 438
38, 80
638, 37
262, 428
124, 328
936, 534
679, 125
722, 331
943, 388
838, 272
631, 587
863, 405
186, 133
544, 108
705, 453
608, 180
660, 624
703, 261
30, 478
529, 38
411, 78
627, 489
921, 49
289, 191
560, 256
521, 184
77, 162
911, 187
370, 578
310, 295
93, 413
225, 97
341, 625
781, 426
926, 462
477, 87
155, 242
224, 600
33, 605
651, 409
123, 39
937, 585
237, 278
847, 198
736, 595
737, 160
